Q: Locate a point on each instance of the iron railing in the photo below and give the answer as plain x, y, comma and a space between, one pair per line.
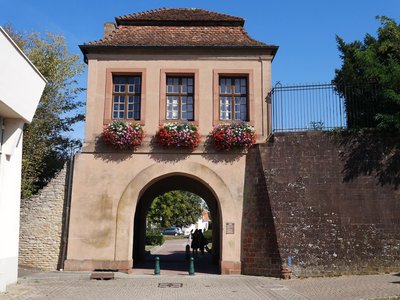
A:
322, 107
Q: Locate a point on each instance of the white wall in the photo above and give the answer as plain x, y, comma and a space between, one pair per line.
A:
10, 187
21, 87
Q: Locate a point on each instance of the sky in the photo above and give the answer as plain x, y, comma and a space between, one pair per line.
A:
304, 30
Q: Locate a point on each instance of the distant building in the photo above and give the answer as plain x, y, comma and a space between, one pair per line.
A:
21, 87
202, 224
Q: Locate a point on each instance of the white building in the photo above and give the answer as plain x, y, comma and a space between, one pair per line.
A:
21, 86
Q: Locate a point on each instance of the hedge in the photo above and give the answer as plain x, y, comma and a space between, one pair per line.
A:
154, 239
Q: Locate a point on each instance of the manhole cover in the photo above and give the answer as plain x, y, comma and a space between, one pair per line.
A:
170, 285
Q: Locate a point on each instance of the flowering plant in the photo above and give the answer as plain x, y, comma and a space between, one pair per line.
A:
184, 135
233, 136
123, 135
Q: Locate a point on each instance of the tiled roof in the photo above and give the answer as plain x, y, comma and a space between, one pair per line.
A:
173, 15
178, 27
183, 36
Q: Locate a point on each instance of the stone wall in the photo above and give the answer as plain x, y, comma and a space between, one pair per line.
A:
41, 225
328, 223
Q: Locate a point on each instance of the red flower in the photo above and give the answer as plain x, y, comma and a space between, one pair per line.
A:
233, 136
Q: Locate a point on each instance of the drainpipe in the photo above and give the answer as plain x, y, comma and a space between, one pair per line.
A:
262, 96
66, 213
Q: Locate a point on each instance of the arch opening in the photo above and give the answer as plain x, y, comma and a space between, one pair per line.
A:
159, 187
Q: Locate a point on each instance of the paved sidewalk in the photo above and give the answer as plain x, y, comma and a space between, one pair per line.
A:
77, 285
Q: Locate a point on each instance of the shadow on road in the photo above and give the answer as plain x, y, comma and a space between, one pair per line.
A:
175, 260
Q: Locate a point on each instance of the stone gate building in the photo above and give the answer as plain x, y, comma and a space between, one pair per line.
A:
285, 199
150, 54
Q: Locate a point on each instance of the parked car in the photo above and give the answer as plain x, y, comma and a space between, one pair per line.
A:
172, 231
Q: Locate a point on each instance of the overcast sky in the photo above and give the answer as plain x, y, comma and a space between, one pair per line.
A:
304, 30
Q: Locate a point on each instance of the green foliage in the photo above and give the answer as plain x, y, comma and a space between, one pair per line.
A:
374, 61
208, 235
175, 208
45, 147
154, 238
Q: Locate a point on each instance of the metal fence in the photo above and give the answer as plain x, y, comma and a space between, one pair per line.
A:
322, 107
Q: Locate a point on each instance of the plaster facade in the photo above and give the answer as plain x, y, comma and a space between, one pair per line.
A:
108, 185
17, 107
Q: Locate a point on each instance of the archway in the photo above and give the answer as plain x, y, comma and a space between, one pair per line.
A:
227, 200
164, 184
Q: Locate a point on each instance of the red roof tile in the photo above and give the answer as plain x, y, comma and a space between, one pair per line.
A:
178, 27
183, 36
173, 15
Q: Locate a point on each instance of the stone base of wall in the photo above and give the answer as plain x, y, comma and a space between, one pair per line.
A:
91, 265
231, 267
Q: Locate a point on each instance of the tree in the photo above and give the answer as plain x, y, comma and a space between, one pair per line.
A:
369, 78
45, 147
175, 208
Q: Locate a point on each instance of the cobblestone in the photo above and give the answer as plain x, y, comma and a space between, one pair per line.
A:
77, 285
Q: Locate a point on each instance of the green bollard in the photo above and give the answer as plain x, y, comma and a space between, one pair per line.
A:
191, 266
157, 266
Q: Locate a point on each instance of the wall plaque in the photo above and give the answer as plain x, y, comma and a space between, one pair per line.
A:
230, 228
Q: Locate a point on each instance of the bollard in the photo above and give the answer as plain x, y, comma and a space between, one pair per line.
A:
191, 266
157, 266
187, 252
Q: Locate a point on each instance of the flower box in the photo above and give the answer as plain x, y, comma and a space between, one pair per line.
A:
177, 135
227, 137
123, 135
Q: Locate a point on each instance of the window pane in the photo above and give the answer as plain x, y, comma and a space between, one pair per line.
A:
184, 89
137, 88
225, 108
119, 79
172, 107
175, 85
126, 105
241, 108
172, 85
226, 86
177, 101
237, 86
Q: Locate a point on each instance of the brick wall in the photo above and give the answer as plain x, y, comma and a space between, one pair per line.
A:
41, 225
326, 224
260, 255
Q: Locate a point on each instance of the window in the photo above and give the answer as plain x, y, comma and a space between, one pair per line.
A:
180, 98
233, 104
126, 95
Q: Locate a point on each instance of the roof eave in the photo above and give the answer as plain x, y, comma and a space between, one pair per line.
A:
87, 48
